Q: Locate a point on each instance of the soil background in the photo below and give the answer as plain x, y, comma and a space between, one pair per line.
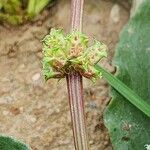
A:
36, 111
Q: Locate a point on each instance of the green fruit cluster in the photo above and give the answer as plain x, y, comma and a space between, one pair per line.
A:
63, 54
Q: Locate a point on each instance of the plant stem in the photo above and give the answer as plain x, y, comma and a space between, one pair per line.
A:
76, 14
75, 90
75, 87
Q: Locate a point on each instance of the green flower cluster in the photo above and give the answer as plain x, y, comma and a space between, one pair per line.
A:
71, 52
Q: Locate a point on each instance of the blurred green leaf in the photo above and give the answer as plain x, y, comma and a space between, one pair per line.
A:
16, 12
36, 6
10, 143
128, 127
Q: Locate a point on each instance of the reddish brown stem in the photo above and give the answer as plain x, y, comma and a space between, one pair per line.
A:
75, 87
76, 14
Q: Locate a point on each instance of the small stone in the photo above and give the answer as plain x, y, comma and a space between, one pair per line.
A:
22, 66
36, 77
31, 118
114, 14
91, 142
5, 112
21, 109
92, 105
106, 143
6, 100
57, 110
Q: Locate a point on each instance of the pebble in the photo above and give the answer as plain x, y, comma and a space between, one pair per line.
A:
114, 14
6, 100
22, 66
106, 143
53, 110
31, 118
91, 142
92, 105
5, 112
21, 109
57, 110
36, 77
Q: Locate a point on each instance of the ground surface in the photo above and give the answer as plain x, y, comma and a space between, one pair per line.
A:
38, 112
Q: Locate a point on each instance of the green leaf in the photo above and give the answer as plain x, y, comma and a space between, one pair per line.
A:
125, 91
10, 143
31, 7
36, 6
12, 19
41, 5
11, 7
129, 128
16, 12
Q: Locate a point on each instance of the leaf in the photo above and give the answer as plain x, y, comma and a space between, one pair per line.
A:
10, 143
31, 7
128, 127
41, 5
36, 6
125, 91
